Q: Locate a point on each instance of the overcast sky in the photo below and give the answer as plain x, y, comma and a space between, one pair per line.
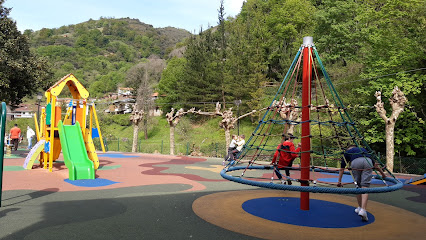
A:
186, 14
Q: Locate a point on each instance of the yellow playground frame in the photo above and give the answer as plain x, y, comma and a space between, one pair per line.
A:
50, 122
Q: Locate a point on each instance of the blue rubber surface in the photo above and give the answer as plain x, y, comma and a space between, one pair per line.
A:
115, 155
321, 214
97, 182
345, 179
348, 179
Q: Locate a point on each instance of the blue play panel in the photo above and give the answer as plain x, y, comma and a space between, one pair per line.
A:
115, 155
98, 182
321, 214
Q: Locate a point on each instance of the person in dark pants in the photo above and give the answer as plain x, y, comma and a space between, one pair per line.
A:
287, 153
231, 148
240, 144
15, 136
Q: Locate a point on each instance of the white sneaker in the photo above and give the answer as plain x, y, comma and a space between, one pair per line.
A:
283, 182
357, 210
363, 214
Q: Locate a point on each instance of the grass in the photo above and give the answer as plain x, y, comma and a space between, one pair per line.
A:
205, 137
202, 136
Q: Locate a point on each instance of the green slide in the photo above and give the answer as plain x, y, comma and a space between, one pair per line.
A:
75, 154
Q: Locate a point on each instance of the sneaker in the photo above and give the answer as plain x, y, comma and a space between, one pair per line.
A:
223, 163
289, 182
363, 214
283, 182
357, 210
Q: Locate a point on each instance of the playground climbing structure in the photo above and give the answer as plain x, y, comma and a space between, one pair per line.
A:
71, 133
306, 105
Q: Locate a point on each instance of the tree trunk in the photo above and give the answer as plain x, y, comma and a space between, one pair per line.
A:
135, 137
172, 140
390, 148
397, 102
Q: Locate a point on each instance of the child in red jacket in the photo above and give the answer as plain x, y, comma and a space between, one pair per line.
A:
287, 153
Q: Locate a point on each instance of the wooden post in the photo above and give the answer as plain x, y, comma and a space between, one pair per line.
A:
306, 130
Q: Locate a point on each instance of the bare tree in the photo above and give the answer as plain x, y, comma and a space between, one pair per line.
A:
142, 77
288, 111
136, 118
173, 119
397, 101
228, 119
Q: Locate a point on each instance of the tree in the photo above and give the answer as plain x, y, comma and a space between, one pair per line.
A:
173, 119
228, 119
21, 72
397, 102
339, 31
170, 84
393, 53
136, 118
223, 48
202, 74
143, 77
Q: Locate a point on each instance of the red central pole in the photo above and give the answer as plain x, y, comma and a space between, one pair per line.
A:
306, 127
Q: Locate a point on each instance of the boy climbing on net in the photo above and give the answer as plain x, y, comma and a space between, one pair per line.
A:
287, 153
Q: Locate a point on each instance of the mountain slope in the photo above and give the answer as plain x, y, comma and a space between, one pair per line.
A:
99, 52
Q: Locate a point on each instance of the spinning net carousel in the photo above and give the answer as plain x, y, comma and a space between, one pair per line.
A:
306, 105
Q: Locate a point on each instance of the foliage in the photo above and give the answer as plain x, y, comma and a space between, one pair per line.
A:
21, 72
357, 40
100, 52
170, 82
366, 46
142, 77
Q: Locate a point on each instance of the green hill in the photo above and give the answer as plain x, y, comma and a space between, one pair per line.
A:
99, 52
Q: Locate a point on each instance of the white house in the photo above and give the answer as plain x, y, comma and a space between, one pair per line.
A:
24, 111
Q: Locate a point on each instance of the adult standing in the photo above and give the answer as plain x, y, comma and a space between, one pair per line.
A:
287, 153
15, 136
30, 136
362, 167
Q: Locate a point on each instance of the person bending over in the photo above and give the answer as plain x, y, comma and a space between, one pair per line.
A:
362, 167
287, 153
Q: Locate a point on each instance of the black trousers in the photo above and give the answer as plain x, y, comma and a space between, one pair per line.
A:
15, 142
287, 170
230, 155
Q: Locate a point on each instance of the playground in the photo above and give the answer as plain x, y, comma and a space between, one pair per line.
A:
63, 188
147, 196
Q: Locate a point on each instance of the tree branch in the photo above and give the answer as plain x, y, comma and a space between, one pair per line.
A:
397, 101
380, 106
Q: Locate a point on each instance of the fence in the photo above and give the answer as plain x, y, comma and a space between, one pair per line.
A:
206, 148
408, 165
2, 132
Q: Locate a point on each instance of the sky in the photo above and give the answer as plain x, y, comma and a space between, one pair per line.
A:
185, 14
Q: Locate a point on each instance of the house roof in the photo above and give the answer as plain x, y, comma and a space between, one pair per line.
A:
25, 108
127, 89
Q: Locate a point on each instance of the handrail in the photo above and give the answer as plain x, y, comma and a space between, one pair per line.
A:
2, 131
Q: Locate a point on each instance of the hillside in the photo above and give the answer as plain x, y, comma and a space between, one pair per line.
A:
99, 52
